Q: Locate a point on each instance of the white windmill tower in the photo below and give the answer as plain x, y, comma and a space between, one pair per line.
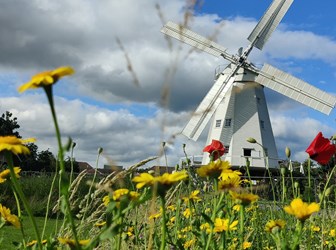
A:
236, 102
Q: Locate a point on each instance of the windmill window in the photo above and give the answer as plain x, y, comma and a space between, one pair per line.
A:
228, 122
218, 123
226, 150
258, 100
262, 124
247, 151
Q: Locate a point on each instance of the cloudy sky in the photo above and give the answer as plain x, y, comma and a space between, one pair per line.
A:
134, 88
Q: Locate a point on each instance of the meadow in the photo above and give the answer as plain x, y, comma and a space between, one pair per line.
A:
210, 207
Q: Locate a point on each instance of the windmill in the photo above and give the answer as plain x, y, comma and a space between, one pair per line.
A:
236, 102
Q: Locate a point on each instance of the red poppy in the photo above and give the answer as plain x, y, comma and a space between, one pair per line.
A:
321, 149
215, 149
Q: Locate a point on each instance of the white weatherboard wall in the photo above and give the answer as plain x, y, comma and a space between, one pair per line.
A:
243, 113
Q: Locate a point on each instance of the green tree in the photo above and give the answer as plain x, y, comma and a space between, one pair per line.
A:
9, 125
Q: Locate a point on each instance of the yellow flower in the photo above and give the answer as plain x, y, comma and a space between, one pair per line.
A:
100, 224
274, 226
228, 183
8, 217
247, 244
106, 200
228, 173
244, 198
193, 196
143, 179
332, 233
46, 78
189, 243
34, 242
187, 213
72, 243
186, 229
315, 228
130, 231
206, 227
171, 207
155, 216
236, 208
117, 194
224, 225
213, 169
169, 179
14, 144
5, 174
301, 210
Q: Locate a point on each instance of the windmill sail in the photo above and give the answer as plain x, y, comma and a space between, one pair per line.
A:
269, 22
296, 89
195, 40
209, 104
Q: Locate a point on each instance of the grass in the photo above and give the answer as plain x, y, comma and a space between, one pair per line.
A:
11, 235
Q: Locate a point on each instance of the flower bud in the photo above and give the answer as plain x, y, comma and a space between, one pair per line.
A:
328, 191
288, 152
251, 140
100, 150
283, 171
163, 144
296, 185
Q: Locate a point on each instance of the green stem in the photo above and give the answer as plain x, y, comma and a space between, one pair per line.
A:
241, 224
19, 214
291, 175
164, 224
327, 184
309, 182
64, 190
248, 172
20, 193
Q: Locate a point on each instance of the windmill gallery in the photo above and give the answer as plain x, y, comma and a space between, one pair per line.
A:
236, 102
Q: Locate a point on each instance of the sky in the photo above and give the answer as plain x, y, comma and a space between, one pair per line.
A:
134, 89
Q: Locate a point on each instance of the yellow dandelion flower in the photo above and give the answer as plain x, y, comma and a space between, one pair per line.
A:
72, 243
34, 242
228, 173
106, 200
193, 196
130, 231
206, 227
224, 225
332, 233
117, 194
4, 175
14, 144
189, 243
213, 169
247, 244
315, 228
155, 216
236, 208
274, 226
169, 179
100, 224
301, 210
46, 78
144, 179
244, 198
228, 183
6, 215
187, 213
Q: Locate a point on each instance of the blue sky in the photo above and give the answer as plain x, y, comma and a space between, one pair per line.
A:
100, 106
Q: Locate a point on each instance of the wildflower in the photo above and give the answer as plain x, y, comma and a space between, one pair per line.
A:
224, 225
193, 196
228, 173
100, 224
155, 216
215, 149
169, 179
321, 149
332, 233
206, 227
106, 200
34, 242
171, 207
172, 219
124, 192
4, 175
6, 216
46, 78
213, 169
130, 231
301, 210
144, 179
186, 229
72, 243
187, 213
229, 183
244, 198
189, 243
315, 228
274, 225
14, 144
236, 208
247, 244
